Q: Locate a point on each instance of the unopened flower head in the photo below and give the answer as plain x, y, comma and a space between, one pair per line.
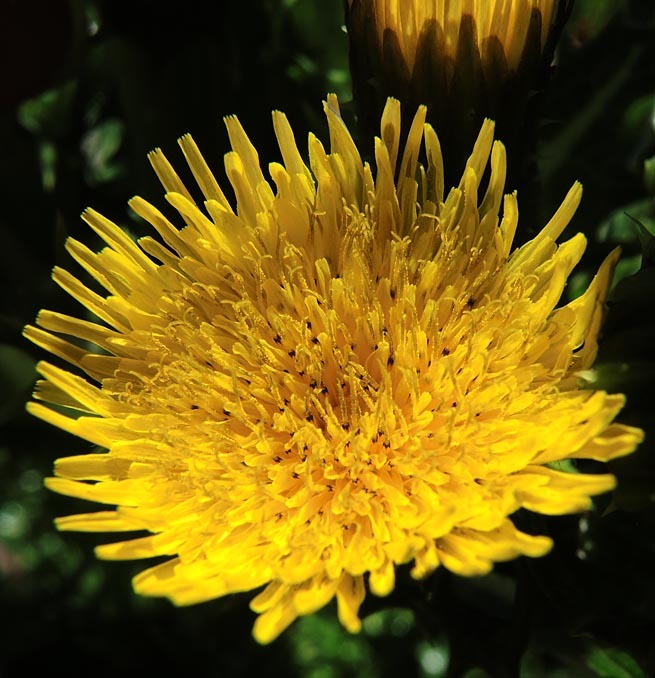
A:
464, 59
501, 30
345, 371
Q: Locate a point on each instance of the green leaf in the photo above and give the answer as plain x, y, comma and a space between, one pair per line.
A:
322, 648
100, 146
613, 663
564, 465
593, 16
649, 174
629, 331
619, 226
17, 375
647, 242
49, 114
391, 621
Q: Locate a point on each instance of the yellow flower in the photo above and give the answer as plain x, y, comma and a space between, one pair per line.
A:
501, 30
347, 373
465, 59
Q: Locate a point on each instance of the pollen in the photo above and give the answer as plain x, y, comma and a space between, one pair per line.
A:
342, 372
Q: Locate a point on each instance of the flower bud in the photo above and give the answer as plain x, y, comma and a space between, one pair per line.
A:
466, 60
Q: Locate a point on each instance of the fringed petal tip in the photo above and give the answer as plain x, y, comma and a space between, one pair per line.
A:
338, 374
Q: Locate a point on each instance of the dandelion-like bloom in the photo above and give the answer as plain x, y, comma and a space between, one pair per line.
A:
412, 31
345, 374
465, 59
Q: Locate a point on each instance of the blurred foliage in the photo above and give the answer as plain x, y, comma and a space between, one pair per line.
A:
91, 87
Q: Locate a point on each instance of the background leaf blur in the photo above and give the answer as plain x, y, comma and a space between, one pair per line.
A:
89, 87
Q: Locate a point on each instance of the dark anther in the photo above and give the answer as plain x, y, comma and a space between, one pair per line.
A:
277, 339
445, 351
292, 353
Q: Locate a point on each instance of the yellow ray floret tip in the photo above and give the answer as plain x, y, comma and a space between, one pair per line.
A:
346, 370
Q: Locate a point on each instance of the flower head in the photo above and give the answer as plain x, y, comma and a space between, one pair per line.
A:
344, 374
465, 59
500, 30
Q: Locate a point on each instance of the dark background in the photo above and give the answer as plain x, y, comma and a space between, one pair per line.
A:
88, 88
